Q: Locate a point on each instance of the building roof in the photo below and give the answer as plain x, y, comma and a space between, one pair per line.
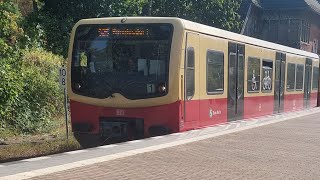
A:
313, 5
257, 3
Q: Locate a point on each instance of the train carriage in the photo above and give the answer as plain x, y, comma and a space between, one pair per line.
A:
137, 77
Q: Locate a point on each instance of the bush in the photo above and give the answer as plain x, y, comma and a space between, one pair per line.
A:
10, 32
30, 94
10, 89
41, 100
30, 97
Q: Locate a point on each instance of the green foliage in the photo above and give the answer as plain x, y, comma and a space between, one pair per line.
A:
29, 91
30, 94
47, 31
218, 13
10, 89
79, 9
10, 32
34, 31
10, 86
57, 17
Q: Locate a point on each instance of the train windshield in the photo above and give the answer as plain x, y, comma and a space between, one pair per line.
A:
131, 59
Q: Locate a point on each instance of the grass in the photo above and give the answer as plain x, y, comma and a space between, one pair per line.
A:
35, 149
28, 146
5, 133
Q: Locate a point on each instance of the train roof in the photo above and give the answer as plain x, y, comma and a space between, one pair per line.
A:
197, 27
189, 25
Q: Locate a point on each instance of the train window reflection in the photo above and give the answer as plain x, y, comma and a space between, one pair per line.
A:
315, 78
129, 59
299, 77
190, 73
291, 76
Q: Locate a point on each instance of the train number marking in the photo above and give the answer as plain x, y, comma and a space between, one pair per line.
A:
120, 112
151, 88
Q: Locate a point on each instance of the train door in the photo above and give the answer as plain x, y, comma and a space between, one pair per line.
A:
307, 83
235, 81
191, 99
279, 83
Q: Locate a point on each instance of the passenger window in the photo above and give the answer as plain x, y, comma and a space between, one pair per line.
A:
253, 74
299, 77
291, 76
315, 78
190, 73
215, 72
267, 74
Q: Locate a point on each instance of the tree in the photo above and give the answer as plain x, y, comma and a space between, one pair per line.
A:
29, 91
10, 32
57, 17
218, 13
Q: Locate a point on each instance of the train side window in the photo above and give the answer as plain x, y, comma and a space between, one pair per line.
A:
315, 78
267, 74
299, 77
253, 77
291, 72
215, 72
190, 73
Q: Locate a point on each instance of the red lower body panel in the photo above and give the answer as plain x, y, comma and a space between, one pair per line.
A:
293, 102
204, 113
201, 113
166, 115
212, 112
258, 106
313, 99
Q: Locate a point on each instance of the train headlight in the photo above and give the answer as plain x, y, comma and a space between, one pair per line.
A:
162, 88
77, 86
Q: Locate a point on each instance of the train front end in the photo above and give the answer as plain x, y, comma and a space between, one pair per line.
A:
123, 78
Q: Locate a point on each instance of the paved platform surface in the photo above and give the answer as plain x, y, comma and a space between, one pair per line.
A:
281, 150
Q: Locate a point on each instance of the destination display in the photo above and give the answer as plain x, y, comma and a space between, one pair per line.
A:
123, 32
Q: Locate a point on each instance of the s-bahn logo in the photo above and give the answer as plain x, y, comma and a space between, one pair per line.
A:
213, 113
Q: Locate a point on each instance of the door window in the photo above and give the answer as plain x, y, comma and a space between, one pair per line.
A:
267, 75
291, 76
190, 73
299, 77
315, 78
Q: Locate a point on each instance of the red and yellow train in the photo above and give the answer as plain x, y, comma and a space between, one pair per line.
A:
137, 77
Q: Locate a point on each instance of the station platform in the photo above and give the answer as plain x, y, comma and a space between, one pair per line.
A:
283, 146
